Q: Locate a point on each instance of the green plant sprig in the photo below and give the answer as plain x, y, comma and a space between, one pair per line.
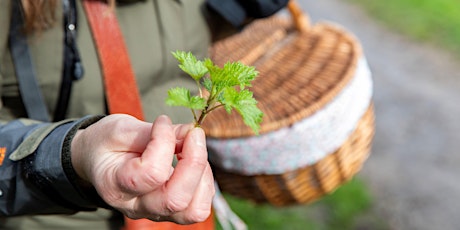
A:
225, 87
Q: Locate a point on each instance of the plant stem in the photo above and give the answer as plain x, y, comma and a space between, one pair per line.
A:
201, 119
209, 107
199, 88
215, 107
194, 115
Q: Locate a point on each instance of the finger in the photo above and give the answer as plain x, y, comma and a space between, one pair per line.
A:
159, 153
191, 165
179, 191
200, 207
154, 205
133, 136
119, 133
181, 131
142, 175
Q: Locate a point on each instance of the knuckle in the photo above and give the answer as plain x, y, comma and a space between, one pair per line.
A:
198, 162
176, 205
156, 176
164, 139
212, 189
119, 121
197, 215
119, 129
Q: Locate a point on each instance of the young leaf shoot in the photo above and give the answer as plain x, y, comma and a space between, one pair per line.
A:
226, 87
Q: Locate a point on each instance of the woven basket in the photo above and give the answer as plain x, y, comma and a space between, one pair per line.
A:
306, 74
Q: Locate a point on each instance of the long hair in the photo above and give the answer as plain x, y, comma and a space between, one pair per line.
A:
41, 14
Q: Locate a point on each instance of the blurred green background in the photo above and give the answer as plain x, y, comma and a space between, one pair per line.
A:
349, 207
435, 21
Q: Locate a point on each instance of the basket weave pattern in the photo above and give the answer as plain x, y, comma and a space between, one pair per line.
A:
306, 184
315, 77
300, 71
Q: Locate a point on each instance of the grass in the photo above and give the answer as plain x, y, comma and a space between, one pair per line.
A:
345, 209
424, 20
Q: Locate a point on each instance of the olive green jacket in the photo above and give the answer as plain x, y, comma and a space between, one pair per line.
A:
33, 179
152, 29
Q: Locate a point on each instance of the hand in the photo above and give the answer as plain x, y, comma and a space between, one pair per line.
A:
129, 162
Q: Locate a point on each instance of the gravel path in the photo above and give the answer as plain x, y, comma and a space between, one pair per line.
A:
415, 164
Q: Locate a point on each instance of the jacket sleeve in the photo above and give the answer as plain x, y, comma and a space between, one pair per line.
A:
238, 12
36, 176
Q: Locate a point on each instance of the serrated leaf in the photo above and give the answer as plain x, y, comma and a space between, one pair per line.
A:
197, 102
221, 77
245, 104
180, 96
207, 83
190, 65
221, 86
243, 73
232, 74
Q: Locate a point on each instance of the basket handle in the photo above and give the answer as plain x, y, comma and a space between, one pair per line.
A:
301, 20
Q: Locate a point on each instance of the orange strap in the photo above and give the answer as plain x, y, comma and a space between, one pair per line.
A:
121, 89
120, 85
144, 224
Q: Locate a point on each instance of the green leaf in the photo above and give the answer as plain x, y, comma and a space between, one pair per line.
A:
245, 104
217, 76
189, 64
243, 73
221, 85
232, 74
207, 83
180, 96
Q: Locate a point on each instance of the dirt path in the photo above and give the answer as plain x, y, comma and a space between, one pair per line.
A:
414, 168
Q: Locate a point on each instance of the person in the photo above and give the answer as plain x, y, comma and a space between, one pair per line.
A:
83, 168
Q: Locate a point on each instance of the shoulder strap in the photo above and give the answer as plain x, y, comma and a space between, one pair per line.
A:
120, 84
28, 85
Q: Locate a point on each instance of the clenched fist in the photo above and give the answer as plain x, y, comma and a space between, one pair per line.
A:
129, 162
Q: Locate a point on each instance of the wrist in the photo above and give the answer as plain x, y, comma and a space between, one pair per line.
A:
77, 158
73, 161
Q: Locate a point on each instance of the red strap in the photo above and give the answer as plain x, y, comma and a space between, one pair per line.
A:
121, 89
120, 84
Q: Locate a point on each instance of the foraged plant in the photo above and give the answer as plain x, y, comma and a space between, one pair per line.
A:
224, 87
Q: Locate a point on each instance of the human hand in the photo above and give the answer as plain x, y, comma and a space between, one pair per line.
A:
129, 162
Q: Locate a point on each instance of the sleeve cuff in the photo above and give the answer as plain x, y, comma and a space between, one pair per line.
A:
84, 188
51, 165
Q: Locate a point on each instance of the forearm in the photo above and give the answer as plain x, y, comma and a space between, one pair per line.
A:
33, 178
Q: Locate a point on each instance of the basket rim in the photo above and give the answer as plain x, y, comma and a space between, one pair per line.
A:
213, 128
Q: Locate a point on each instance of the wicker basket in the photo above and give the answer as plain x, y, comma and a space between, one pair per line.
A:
303, 70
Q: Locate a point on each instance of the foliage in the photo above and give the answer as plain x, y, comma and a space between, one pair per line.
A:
226, 87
